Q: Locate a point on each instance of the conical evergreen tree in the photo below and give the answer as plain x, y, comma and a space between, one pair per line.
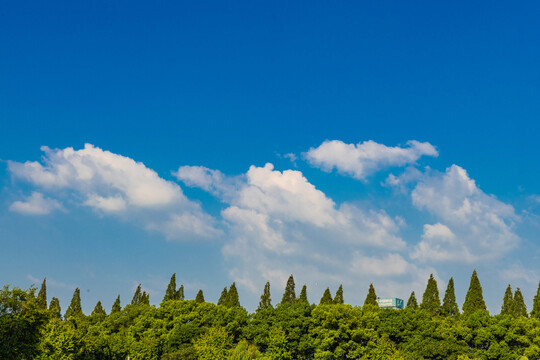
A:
54, 308
170, 293
116, 306
412, 303
326, 299
98, 310
223, 297
450, 307
42, 295
137, 296
200, 297
74, 309
289, 295
145, 298
266, 301
519, 304
303, 295
474, 300
535, 313
232, 297
371, 298
430, 299
180, 293
338, 299
507, 307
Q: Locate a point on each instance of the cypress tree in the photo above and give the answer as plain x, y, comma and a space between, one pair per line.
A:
450, 307
474, 300
42, 295
137, 296
326, 298
170, 293
98, 309
289, 295
519, 304
145, 298
430, 300
223, 297
180, 293
371, 298
266, 302
200, 297
303, 295
338, 299
507, 307
232, 297
412, 303
74, 309
116, 306
54, 308
535, 313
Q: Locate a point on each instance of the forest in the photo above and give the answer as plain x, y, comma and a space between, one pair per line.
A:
33, 328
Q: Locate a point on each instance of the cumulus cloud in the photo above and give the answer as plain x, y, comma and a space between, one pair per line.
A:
387, 265
111, 184
35, 204
366, 158
476, 225
518, 272
212, 181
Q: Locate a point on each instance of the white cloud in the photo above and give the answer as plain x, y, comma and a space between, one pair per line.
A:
112, 184
388, 265
365, 158
518, 272
483, 225
35, 204
212, 181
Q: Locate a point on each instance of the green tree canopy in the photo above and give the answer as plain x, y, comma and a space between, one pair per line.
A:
223, 297
215, 344
326, 298
74, 309
338, 299
450, 307
474, 300
42, 295
98, 309
430, 300
412, 303
519, 308
232, 297
303, 294
371, 298
266, 301
507, 307
289, 295
200, 297
137, 296
170, 293
535, 313
116, 306
54, 308
180, 293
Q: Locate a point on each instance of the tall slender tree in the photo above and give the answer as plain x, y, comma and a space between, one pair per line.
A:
430, 300
303, 294
338, 299
326, 299
42, 295
54, 308
266, 301
371, 298
507, 307
145, 298
116, 308
535, 313
289, 295
74, 309
223, 297
137, 296
180, 293
98, 310
200, 297
232, 297
519, 304
170, 293
450, 307
474, 300
412, 303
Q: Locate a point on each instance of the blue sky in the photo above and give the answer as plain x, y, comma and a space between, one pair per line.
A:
402, 138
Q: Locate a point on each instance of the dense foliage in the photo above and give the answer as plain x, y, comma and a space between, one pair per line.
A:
293, 329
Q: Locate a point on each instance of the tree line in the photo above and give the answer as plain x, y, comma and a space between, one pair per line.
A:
32, 328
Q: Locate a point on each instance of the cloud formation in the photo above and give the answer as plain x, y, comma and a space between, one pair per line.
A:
365, 158
35, 204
